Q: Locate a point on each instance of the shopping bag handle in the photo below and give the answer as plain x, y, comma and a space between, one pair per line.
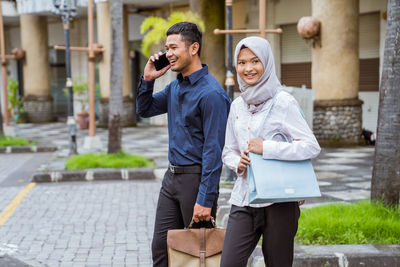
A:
212, 221
285, 138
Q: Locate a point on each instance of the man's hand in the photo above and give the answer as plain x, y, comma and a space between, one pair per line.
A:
150, 72
256, 145
244, 162
201, 213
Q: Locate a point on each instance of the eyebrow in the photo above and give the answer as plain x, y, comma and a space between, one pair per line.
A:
249, 59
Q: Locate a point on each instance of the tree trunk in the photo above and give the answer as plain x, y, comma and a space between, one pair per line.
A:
385, 184
115, 104
213, 46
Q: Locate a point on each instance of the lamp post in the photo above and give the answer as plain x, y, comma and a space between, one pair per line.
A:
67, 10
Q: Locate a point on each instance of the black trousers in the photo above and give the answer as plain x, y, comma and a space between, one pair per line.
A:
276, 223
175, 210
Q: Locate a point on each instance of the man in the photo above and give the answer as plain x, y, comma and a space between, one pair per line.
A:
197, 109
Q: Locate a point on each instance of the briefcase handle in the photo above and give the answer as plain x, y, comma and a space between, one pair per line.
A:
212, 221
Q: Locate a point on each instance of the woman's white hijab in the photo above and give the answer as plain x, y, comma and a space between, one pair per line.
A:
268, 85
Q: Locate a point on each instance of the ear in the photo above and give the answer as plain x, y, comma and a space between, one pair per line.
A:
194, 48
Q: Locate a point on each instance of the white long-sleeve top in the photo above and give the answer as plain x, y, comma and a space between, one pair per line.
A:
285, 116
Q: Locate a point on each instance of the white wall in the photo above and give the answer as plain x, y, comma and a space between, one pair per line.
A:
370, 110
135, 21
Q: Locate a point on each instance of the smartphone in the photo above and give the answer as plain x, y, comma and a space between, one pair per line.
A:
161, 62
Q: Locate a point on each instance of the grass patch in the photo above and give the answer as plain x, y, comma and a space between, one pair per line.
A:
103, 160
13, 141
359, 223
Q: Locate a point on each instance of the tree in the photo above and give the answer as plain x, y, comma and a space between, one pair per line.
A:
115, 103
155, 28
385, 184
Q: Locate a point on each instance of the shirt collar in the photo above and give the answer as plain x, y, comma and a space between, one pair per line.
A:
195, 76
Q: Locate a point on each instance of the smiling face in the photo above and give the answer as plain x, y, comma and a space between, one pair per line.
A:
249, 66
179, 53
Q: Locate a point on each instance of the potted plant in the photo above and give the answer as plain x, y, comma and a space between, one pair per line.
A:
81, 102
16, 108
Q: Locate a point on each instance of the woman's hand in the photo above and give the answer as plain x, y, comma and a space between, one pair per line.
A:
256, 145
243, 163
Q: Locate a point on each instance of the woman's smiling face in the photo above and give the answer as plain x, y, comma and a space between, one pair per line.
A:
249, 66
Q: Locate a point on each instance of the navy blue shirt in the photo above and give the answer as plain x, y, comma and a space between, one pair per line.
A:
198, 109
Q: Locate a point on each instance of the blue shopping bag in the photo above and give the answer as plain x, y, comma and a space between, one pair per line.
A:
272, 181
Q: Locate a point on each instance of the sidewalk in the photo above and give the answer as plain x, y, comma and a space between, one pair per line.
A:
343, 174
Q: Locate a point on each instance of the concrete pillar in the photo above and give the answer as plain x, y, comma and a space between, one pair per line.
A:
104, 38
38, 102
213, 46
335, 73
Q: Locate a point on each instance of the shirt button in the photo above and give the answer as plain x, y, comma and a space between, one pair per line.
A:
237, 117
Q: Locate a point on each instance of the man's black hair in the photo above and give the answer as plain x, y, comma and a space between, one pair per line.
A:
189, 31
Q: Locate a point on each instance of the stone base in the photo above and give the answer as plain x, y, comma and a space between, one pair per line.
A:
92, 143
338, 122
127, 116
39, 108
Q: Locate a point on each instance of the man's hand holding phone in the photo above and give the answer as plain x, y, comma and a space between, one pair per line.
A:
156, 66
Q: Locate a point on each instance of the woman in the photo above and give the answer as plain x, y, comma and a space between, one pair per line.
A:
276, 222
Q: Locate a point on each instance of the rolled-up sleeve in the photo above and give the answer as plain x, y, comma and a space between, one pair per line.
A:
214, 112
304, 145
147, 104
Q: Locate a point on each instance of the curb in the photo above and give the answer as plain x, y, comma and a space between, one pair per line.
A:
6, 260
95, 175
339, 256
26, 149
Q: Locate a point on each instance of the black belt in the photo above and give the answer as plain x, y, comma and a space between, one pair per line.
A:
185, 169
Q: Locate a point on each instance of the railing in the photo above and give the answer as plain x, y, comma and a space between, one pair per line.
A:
305, 98
41, 6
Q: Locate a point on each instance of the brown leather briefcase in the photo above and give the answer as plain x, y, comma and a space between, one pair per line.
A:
195, 247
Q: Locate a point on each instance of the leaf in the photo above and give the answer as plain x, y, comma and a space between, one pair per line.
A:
156, 28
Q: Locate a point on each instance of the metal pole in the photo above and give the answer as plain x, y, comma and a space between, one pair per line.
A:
230, 82
92, 115
3, 68
262, 18
228, 43
71, 120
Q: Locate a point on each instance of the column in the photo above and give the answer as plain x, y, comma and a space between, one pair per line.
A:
335, 73
213, 46
38, 102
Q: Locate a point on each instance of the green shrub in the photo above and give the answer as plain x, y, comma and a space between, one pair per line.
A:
360, 223
103, 160
12, 141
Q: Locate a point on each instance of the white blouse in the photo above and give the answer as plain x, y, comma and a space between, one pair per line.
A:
285, 116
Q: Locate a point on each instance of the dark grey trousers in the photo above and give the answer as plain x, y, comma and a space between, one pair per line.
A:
175, 210
276, 223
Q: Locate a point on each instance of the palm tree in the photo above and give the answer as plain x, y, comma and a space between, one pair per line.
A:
156, 28
385, 183
115, 106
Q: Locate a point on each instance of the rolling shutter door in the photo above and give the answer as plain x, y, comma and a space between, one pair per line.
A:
296, 58
369, 52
